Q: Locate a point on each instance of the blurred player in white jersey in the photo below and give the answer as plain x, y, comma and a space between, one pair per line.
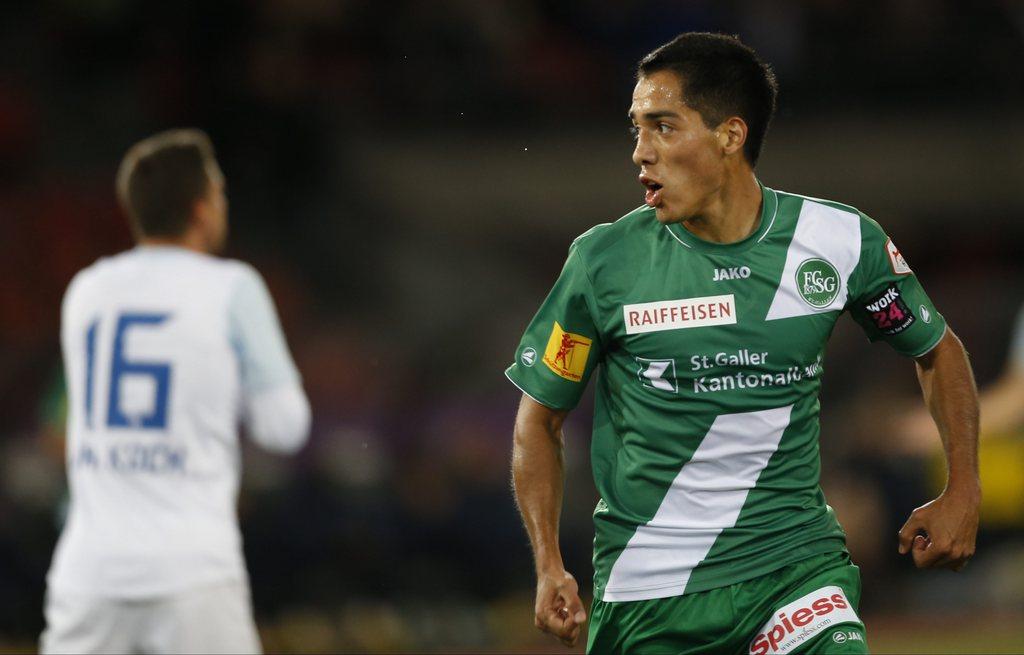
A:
166, 348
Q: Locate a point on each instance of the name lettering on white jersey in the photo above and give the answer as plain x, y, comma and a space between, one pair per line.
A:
678, 314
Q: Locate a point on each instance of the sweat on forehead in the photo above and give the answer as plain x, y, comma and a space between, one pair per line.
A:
657, 96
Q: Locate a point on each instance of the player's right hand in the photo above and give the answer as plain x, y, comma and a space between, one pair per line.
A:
942, 533
558, 609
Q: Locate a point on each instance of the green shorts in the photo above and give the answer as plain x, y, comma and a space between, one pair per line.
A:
806, 607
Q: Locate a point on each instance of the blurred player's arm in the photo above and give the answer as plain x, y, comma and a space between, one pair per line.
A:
278, 420
274, 409
1002, 413
942, 532
1001, 403
538, 473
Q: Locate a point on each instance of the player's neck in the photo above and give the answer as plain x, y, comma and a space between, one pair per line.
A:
188, 241
734, 212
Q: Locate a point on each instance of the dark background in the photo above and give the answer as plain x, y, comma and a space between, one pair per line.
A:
408, 176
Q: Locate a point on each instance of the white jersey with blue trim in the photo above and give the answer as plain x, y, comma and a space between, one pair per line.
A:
165, 351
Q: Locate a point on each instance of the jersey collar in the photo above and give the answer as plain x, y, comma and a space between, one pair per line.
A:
769, 211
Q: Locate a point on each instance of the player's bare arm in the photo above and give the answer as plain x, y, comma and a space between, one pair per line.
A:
537, 477
941, 533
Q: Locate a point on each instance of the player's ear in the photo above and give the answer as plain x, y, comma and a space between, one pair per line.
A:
200, 209
202, 217
731, 135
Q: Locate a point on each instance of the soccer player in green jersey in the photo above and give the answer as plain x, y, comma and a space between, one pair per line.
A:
705, 313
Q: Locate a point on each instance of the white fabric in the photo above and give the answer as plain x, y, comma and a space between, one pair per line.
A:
256, 335
215, 619
278, 419
705, 498
153, 508
822, 232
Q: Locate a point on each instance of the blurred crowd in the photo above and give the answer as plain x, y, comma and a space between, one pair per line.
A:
395, 528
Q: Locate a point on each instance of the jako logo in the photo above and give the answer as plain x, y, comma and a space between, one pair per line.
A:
528, 357
734, 273
801, 620
843, 636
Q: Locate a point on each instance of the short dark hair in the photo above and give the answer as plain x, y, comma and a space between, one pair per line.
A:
721, 77
161, 177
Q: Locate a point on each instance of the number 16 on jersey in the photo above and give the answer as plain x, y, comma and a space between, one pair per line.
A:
120, 368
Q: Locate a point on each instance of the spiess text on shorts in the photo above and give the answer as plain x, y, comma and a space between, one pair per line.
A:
803, 619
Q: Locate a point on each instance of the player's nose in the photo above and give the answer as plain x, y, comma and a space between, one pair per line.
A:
644, 153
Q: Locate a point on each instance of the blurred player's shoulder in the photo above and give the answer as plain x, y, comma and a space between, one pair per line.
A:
156, 266
159, 258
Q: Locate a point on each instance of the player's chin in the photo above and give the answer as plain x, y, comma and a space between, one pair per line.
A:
666, 215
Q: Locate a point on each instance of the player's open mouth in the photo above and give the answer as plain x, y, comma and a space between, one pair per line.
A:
653, 196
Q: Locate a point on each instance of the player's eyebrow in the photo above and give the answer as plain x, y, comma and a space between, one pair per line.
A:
653, 115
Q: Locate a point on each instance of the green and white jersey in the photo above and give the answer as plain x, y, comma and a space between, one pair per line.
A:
705, 444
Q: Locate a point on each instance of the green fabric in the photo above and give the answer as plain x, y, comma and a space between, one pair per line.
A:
731, 619
744, 351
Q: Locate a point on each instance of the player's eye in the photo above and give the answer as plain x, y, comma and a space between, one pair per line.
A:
634, 132
664, 128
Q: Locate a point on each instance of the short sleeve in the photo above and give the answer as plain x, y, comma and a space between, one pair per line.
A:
561, 347
888, 301
256, 336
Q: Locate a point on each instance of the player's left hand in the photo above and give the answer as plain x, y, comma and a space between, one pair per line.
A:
558, 609
941, 533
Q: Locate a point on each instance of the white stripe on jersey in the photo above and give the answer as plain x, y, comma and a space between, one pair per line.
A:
823, 232
705, 498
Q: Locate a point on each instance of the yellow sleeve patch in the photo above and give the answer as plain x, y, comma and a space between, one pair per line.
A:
566, 354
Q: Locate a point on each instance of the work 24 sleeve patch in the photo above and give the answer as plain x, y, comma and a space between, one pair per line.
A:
887, 299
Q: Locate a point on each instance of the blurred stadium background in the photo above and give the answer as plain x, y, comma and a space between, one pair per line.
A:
408, 176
